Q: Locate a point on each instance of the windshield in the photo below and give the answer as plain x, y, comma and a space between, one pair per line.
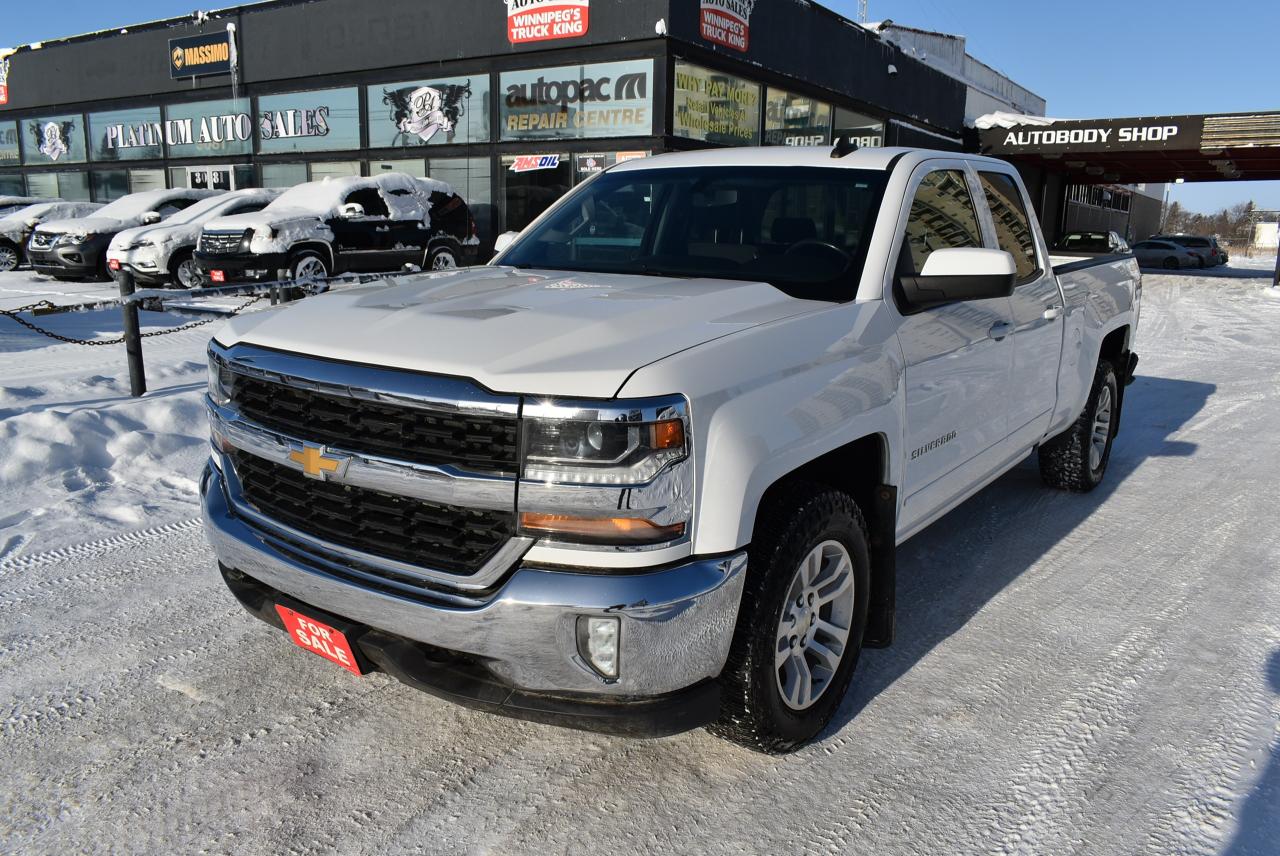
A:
129, 207
201, 210
317, 196
803, 230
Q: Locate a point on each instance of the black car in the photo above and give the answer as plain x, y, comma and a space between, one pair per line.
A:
379, 223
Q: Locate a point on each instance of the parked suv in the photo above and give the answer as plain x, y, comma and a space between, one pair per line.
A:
1165, 254
165, 252
77, 248
16, 226
380, 223
11, 204
1203, 248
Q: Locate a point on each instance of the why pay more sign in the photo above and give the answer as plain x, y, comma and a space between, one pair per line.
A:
1168, 132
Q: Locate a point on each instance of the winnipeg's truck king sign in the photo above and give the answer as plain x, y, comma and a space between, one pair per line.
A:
543, 20
727, 22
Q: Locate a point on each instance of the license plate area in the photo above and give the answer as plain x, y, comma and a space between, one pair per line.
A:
325, 640
218, 276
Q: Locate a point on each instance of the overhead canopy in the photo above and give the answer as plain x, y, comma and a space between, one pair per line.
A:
1152, 149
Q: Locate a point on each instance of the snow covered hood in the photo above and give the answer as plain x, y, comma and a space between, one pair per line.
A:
518, 331
89, 225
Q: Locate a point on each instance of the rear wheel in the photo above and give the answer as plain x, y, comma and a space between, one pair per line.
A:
442, 256
9, 257
800, 625
1076, 459
1171, 263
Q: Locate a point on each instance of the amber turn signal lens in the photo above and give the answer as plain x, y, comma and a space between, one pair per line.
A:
668, 435
599, 530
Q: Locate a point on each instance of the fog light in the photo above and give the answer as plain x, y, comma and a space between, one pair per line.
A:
598, 640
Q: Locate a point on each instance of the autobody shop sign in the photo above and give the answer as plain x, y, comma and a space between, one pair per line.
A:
1162, 132
544, 20
612, 99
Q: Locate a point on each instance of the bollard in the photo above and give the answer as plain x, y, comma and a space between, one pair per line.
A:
132, 336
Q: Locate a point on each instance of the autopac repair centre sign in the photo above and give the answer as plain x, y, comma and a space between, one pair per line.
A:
544, 20
197, 56
612, 99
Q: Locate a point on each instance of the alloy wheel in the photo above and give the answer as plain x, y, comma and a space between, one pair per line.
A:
813, 632
1101, 428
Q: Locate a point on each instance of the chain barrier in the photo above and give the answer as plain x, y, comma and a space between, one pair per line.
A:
45, 304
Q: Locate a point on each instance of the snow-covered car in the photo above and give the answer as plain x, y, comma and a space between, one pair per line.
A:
163, 252
17, 225
647, 470
10, 204
380, 223
76, 248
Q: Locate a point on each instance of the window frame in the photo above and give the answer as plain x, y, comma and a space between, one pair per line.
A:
1040, 267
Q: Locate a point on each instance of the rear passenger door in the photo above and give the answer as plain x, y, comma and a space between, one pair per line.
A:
958, 357
1037, 307
363, 243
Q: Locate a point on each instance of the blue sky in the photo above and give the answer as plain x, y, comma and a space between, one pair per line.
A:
1088, 58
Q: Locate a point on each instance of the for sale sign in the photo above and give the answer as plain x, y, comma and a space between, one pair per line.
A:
727, 22
543, 20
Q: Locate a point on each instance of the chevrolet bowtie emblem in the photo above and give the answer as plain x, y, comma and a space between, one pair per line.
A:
318, 464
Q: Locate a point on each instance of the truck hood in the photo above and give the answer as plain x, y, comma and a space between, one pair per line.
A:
518, 331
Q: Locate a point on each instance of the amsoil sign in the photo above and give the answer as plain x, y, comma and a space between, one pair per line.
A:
727, 22
543, 20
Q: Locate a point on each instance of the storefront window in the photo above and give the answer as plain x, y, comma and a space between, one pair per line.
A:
11, 184
110, 184
324, 120
71, 186
530, 183
126, 135
588, 165
417, 167
415, 113
283, 174
145, 179
469, 177
53, 139
9, 155
795, 120
334, 169
716, 107
209, 129
862, 130
610, 99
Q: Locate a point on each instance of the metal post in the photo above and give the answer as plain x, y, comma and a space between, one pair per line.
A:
132, 337
1275, 280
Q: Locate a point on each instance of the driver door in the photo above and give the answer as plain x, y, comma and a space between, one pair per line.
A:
958, 356
363, 243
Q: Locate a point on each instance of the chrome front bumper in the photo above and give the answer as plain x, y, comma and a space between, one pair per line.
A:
677, 622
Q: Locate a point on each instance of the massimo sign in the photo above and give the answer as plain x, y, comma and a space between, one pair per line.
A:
197, 56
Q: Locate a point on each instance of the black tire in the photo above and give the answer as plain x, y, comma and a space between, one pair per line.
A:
1066, 461
1200, 262
1171, 263
303, 258
443, 255
176, 261
10, 256
796, 520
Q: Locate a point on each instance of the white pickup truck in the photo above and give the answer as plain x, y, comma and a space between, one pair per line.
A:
648, 469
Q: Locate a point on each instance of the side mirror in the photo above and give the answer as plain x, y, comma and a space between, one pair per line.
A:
504, 240
351, 211
151, 218
954, 275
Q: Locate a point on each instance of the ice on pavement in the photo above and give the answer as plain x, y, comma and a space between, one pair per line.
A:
1072, 674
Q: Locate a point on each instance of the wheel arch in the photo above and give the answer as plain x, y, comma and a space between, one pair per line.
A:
323, 248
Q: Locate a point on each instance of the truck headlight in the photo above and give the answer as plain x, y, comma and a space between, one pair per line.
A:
220, 381
614, 473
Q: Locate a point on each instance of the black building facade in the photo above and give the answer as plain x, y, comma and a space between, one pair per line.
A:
510, 101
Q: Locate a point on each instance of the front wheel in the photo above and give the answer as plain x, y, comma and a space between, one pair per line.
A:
800, 625
10, 258
1076, 459
442, 257
307, 265
184, 271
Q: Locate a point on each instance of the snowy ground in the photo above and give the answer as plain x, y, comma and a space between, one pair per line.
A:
1073, 674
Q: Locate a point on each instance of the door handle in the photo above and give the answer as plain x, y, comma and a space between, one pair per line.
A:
1053, 313
999, 330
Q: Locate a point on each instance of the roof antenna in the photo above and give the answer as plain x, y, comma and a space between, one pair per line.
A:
844, 146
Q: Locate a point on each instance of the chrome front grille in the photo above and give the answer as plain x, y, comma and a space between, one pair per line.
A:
220, 243
425, 487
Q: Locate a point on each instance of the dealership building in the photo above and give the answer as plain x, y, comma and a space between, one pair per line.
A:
510, 101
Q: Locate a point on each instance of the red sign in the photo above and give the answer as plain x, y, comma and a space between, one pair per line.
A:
4, 95
319, 638
217, 276
530, 163
542, 20
113, 264
4, 81
727, 22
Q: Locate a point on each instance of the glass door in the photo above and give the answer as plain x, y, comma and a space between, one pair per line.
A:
211, 178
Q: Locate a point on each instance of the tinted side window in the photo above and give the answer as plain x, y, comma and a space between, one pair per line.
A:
942, 217
245, 208
371, 200
1013, 230
172, 207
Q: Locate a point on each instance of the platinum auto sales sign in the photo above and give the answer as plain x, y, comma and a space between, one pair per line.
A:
727, 22
544, 20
